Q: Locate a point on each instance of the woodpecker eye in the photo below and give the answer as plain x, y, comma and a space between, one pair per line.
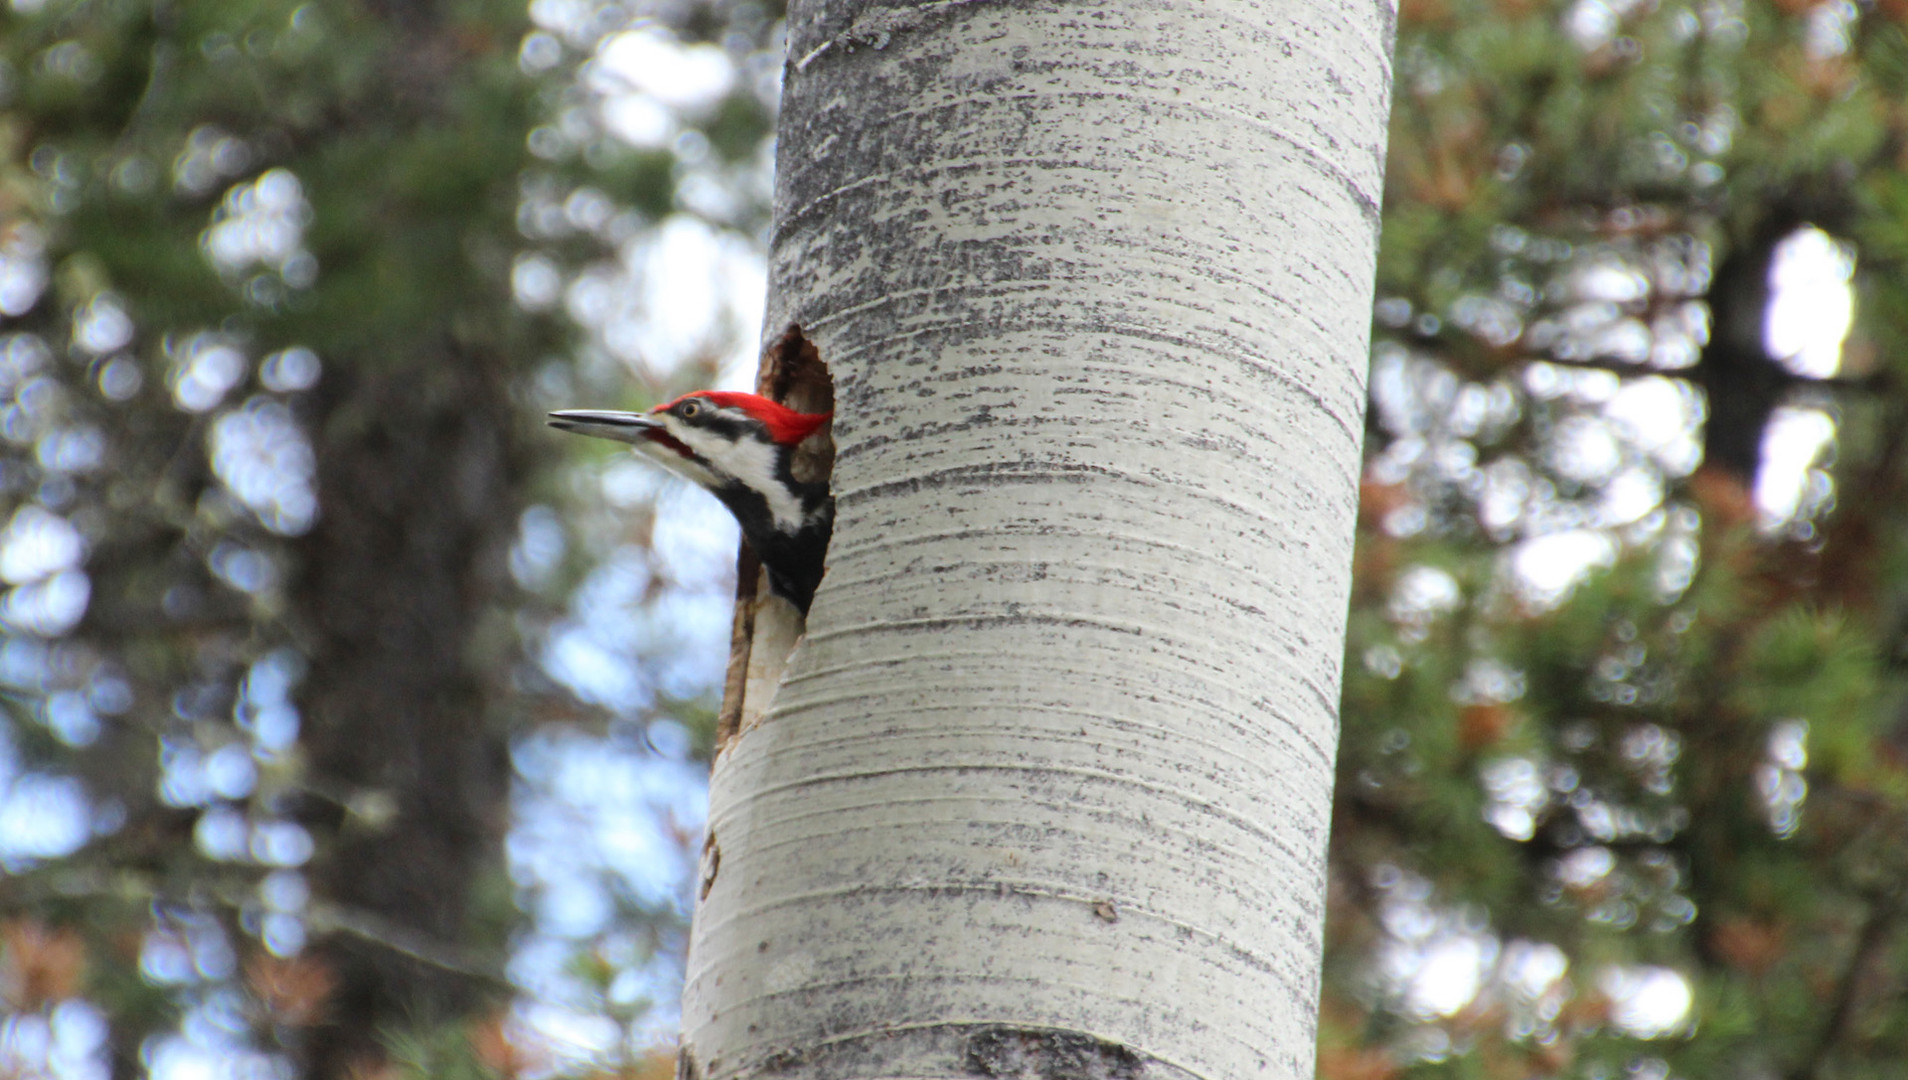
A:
690, 409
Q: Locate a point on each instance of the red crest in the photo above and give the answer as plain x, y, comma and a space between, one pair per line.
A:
785, 425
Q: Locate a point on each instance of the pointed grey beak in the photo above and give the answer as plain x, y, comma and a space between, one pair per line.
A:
625, 427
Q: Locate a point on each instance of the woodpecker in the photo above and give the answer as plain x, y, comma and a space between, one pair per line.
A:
736, 447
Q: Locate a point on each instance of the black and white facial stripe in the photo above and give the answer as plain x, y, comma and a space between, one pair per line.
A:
738, 448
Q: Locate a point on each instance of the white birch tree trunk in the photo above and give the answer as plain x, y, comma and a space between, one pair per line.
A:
1045, 789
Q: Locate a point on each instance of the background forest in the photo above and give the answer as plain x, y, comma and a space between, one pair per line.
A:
355, 725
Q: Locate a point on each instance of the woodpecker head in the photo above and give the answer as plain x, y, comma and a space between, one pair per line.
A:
718, 440
737, 447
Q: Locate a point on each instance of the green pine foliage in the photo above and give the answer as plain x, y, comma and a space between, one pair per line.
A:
1690, 758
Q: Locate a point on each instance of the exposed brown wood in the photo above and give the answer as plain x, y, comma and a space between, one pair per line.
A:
748, 575
792, 373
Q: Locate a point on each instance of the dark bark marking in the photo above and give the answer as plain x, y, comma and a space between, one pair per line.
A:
1049, 1054
996, 620
991, 474
711, 865
875, 31
954, 1051
1249, 361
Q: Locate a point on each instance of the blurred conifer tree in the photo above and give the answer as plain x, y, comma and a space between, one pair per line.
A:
269, 429
1621, 787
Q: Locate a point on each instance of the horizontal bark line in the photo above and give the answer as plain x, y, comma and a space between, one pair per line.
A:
1238, 820
1247, 672
1263, 585
1017, 539
983, 474
953, 328
1125, 910
960, 540
1127, 734
1082, 802
1247, 876
1243, 737
1248, 360
989, 824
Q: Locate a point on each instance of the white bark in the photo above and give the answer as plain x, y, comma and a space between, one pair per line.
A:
1046, 785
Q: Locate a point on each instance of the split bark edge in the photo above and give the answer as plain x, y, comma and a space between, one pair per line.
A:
765, 628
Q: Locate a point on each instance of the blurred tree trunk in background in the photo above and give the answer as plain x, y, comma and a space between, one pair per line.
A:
1043, 791
350, 521
419, 473
421, 454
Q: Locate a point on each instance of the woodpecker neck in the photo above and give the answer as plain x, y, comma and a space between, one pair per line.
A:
792, 557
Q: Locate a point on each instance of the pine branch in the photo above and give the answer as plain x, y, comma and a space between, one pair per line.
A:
1869, 943
321, 917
